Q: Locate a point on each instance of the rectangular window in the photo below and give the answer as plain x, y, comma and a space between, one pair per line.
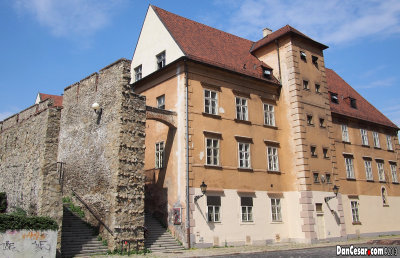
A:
159, 154
345, 133
269, 115
317, 88
353, 103
328, 178
349, 167
325, 152
160, 60
273, 161
303, 55
138, 73
368, 170
316, 177
305, 85
313, 151
241, 109
213, 208
244, 155
310, 120
354, 211
322, 122
314, 60
364, 137
389, 142
161, 102
334, 98
212, 150
210, 102
276, 210
375, 135
246, 204
318, 207
381, 171
393, 169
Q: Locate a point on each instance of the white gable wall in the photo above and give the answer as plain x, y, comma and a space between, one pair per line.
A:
154, 38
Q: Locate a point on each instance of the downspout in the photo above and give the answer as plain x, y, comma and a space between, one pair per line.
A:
187, 155
279, 60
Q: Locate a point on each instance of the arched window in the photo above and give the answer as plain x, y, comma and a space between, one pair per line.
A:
384, 196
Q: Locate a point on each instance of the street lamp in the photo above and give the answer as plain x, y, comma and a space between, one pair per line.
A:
335, 191
97, 109
203, 188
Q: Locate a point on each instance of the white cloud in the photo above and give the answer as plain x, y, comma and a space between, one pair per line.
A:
330, 22
71, 17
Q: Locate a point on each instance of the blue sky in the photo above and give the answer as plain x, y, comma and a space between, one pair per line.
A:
47, 45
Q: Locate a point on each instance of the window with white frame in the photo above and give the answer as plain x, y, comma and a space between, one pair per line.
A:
244, 155
159, 155
213, 208
393, 170
246, 205
364, 137
276, 209
210, 102
368, 169
160, 58
273, 160
349, 167
375, 135
161, 102
384, 196
389, 142
354, 211
345, 133
212, 150
241, 109
138, 73
269, 115
381, 171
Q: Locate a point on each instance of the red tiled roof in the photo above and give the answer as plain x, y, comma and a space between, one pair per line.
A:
213, 46
365, 111
279, 33
57, 99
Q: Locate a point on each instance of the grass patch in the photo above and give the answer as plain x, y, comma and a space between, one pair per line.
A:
72, 207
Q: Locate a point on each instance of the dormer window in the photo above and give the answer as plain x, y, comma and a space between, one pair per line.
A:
314, 60
303, 55
138, 73
353, 103
334, 98
267, 73
160, 60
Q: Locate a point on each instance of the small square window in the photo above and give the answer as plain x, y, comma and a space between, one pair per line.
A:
325, 152
334, 98
303, 55
267, 73
313, 150
305, 85
161, 102
328, 178
353, 103
318, 207
322, 122
317, 88
316, 177
309, 120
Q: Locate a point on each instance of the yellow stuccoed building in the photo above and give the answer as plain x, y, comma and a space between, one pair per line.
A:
269, 130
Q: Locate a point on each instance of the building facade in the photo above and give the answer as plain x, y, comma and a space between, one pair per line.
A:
269, 130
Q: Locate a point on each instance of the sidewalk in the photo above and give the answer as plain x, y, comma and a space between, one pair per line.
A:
377, 241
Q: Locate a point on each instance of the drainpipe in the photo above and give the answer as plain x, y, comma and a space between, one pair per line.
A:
187, 155
279, 60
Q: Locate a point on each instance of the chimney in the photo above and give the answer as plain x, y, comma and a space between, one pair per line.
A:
266, 32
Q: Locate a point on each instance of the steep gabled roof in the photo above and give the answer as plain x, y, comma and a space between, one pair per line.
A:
364, 111
57, 99
213, 46
281, 32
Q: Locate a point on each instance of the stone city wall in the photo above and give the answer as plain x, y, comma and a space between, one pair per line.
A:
28, 160
103, 152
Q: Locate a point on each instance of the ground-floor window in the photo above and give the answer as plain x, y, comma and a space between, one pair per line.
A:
213, 208
276, 209
246, 204
354, 211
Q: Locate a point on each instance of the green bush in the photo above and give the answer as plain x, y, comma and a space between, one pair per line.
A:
72, 207
3, 202
14, 221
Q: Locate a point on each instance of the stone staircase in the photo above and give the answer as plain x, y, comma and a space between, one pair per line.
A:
158, 239
77, 239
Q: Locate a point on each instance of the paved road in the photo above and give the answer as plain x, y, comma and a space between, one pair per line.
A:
303, 253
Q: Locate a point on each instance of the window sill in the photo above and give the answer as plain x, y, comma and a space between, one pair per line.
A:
322, 127
382, 181
386, 205
211, 115
396, 183
274, 172
314, 156
245, 169
378, 148
311, 125
365, 146
213, 166
276, 222
346, 142
214, 222
327, 158
370, 180
391, 150
242, 121
350, 179
247, 223
356, 223
271, 126
318, 183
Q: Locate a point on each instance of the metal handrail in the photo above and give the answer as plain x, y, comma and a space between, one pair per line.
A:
92, 212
